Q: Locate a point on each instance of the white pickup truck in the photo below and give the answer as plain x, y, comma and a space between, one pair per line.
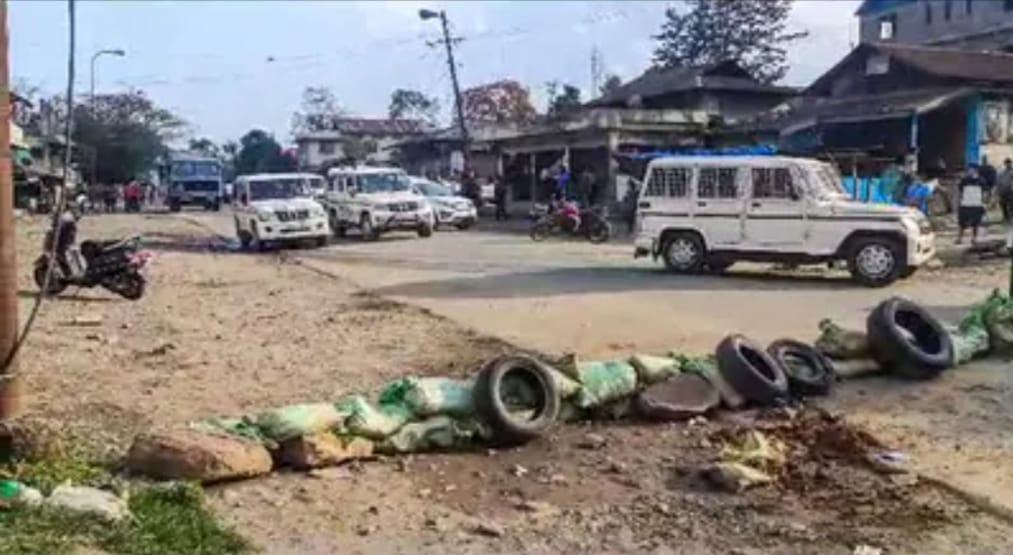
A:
375, 200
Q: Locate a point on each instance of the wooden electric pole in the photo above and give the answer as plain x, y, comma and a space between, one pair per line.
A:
10, 398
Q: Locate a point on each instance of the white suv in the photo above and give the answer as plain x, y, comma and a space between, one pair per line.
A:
375, 200
709, 212
274, 208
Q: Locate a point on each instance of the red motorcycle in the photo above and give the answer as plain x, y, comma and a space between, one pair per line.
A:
570, 219
116, 265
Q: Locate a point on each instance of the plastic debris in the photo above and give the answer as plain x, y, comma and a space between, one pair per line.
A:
840, 343
433, 396
602, 382
89, 500
652, 369
735, 477
13, 492
374, 423
298, 420
757, 451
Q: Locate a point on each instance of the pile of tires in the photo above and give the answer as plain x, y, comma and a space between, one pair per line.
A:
785, 370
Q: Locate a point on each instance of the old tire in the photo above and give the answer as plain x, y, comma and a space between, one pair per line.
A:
425, 231
684, 253
129, 285
366, 228
56, 284
876, 261
509, 428
750, 371
908, 341
321, 242
809, 371
599, 232
541, 230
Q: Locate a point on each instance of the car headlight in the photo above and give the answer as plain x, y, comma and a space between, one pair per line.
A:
264, 215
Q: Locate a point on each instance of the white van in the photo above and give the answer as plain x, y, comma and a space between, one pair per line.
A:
375, 200
277, 207
709, 212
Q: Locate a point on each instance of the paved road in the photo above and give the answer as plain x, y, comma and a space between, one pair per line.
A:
564, 295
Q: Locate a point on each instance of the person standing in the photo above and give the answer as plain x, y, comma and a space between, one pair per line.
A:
1004, 190
971, 191
562, 183
988, 177
501, 189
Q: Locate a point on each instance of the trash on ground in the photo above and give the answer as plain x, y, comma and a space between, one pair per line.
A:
196, 455
374, 423
735, 477
888, 462
324, 449
434, 433
89, 500
863, 549
840, 343
13, 492
756, 450
678, 398
856, 368
653, 369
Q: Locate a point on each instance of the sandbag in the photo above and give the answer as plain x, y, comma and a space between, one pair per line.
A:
972, 336
999, 323
433, 396
242, 427
299, 420
653, 369
601, 382
969, 343
566, 386
374, 423
433, 434
839, 343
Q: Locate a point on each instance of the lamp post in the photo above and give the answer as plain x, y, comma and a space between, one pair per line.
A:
109, 51
425, 15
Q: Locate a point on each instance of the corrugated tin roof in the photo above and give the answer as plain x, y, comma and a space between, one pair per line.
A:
341, 126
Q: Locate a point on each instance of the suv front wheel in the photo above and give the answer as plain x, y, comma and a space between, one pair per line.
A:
684, 253
876, 262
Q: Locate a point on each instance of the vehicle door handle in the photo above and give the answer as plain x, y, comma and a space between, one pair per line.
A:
757, 205
701, 204
644, 205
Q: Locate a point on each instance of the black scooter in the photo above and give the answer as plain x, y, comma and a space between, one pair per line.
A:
115, 265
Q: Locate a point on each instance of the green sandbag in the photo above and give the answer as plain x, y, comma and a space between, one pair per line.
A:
969, 343
432, 396
840, 343
566, 386
999, 323
433, 434
601, 382
239, 427
652, 369
299, 420
696, 365
374, 423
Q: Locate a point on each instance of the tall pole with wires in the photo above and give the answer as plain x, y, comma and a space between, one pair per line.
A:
459, 105
9, 384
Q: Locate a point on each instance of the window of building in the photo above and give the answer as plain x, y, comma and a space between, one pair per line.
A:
326, 147
968, 6
717, 183
888, 27
947, 9
1007, 5
928, 13
668, 182
772, 183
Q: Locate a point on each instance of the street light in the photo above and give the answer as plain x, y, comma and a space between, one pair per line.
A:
424, 15
109, 51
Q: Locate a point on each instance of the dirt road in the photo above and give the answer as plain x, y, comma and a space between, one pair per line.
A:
224, 333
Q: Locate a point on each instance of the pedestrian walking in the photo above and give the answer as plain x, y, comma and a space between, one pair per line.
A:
1004, 190
501, 190
972, 203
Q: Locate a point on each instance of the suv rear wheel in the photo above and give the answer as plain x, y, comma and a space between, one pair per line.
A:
684, 253
876, 261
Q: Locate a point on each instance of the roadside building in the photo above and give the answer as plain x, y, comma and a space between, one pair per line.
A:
970, 24
362, 139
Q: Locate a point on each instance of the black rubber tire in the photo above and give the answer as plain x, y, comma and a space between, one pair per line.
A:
129, 285
175, 206
541, 230
599, 232
366, 228
320, 242
816, 378
750, 371
56, 284
425, 231
908, 271
463, 227
490, 406
908, 341
858, 274
692, 267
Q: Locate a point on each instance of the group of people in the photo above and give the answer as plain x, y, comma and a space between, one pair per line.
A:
108, 196
981, 185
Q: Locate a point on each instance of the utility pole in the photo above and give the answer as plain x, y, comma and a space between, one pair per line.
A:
10, 397
596, 71
465, 140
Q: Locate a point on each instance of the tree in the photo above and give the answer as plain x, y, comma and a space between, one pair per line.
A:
357, 149
260, 153
504, 101
563, 98
611, 84
750, 32
120, 136
405, 103
204, 146
316, 110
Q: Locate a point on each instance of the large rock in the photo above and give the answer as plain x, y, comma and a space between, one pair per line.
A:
324, 449
194, 455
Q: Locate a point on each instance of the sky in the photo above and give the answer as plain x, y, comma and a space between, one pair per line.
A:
229, 66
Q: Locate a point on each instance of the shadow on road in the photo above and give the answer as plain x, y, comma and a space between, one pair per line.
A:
575, 281
32, 294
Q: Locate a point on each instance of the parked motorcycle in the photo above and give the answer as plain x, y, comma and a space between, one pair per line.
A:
594, 224
115, 265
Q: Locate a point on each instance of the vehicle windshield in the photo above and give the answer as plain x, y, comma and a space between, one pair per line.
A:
431, 189
315, 183
196, 169
827, 182
277, 189
383, 183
